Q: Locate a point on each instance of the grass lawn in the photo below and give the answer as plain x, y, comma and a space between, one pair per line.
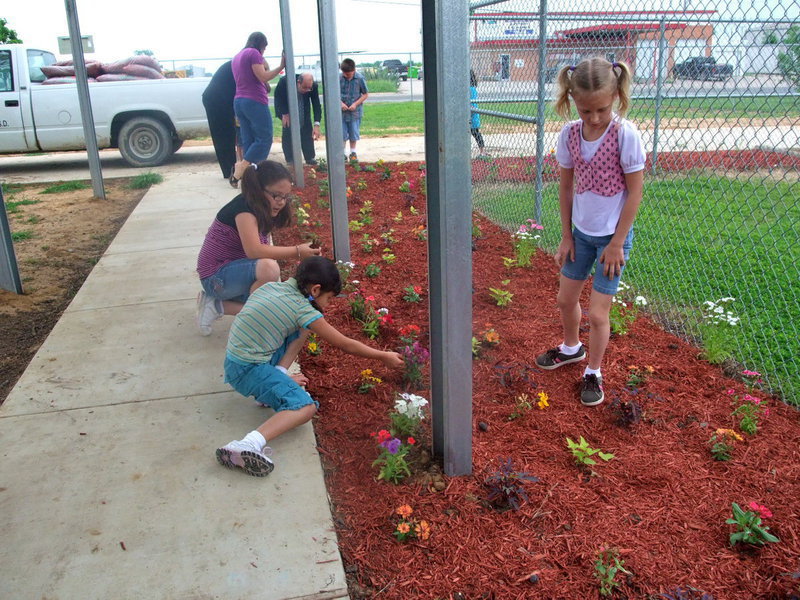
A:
698, 238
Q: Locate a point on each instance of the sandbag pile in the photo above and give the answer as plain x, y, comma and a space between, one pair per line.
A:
135, 67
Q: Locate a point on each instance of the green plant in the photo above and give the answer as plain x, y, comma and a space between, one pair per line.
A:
398, 218
361, 185
388, 237
387, 256
415, 356
355, 225
368, 381
322, 165
18, 236
409, 527
145, 180
421, 232
409, 412
638, 376
477, 233
412, 293
372, 270
68, 186
750, 412
501, 297
369, 169
749, 529
583, 453
716, 329
509, 263
506, 486
722, 442
522, 406
12, 206
526, 242
606, 568
392, 457
367, 243
789, 61
387, 173
405, 187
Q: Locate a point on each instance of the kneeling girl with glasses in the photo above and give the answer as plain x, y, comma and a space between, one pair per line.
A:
237, 255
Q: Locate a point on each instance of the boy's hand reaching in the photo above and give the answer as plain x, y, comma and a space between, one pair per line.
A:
393, 360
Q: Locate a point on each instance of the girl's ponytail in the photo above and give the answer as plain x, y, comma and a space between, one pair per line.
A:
623, 73
561, 104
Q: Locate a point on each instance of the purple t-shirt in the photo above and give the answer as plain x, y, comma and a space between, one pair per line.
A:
247, 84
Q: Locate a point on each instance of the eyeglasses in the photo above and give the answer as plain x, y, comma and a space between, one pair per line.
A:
286, 198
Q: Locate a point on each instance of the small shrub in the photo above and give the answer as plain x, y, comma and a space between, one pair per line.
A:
583, 453
145, 180
606, 568
749, 529
506, 486
69, 186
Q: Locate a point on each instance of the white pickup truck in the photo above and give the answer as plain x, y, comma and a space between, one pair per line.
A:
146, 119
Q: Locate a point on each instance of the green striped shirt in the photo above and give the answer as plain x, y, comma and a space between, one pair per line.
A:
271, 314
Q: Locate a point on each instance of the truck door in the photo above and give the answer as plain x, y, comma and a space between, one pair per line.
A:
12, 133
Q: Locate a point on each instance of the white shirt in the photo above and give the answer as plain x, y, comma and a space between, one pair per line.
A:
591, 213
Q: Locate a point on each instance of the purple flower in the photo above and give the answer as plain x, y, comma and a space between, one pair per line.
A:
392, 445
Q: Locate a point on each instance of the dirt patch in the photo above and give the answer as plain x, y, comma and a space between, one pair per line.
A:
62, 236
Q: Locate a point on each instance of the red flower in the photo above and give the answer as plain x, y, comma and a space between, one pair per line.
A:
384, 436
412, 441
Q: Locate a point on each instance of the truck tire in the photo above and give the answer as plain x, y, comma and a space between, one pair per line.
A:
176, 144
145, 142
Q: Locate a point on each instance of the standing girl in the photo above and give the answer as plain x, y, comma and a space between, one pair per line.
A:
237, 255
251, 101
602, 165
475, 118
265, 338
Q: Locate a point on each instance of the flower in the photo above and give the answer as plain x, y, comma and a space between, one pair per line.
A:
403, 527
423, 530
762, 510
747, 373
640, 301
543, 398
729, 433
404, 511
312, 347
412, 441
491, 337
383, 436
392, 445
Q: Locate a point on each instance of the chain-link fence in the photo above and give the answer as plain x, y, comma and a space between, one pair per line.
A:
715, 98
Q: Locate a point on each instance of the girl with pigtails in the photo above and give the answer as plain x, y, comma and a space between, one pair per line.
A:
601, 159
237, 255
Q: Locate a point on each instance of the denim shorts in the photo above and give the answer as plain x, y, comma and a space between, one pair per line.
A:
588, 249
232, 281
266, 384
351, 129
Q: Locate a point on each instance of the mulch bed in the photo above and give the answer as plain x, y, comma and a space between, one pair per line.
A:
661, 502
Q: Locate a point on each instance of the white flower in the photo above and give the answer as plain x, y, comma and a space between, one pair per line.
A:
355, 282
624, 286
640, 301
383, 311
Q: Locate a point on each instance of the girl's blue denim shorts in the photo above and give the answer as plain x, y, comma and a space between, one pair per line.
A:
232, 281
266, 384
588, 249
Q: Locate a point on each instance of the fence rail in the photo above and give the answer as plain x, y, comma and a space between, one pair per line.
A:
721, 209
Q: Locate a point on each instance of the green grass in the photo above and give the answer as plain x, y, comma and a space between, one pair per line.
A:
12, 206
699, 238
18, 236
145, 180
67, 186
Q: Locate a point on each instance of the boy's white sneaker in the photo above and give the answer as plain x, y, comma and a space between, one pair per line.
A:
207, 313
240, 454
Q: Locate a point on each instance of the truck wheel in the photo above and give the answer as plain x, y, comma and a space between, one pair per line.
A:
145, 142
176, 144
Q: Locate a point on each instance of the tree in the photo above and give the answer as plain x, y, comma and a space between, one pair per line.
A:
8, 36
143, 52
789, 61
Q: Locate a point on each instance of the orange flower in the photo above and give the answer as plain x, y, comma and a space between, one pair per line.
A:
404, 511
403, 527
423, 530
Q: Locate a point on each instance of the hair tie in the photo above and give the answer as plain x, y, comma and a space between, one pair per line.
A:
614, 65
255, 166
571, 67
310, 298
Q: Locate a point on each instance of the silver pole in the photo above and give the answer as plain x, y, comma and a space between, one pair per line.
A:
334, 137
447, 158
9, 271
659, 88
291, 94
82, 84
540, 99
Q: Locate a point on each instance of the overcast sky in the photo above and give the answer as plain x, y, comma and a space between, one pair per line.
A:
178, 29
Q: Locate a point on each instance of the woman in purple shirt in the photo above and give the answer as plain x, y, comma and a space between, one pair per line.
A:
251, 102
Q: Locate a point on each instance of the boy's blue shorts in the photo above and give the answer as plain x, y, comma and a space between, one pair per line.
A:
588, 249
351, 129
266, 384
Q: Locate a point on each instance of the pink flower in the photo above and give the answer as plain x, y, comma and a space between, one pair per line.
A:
762, 510
747, 373
731, 392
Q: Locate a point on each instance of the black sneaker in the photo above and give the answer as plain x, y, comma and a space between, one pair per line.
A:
353, 156
591, 390
554, 358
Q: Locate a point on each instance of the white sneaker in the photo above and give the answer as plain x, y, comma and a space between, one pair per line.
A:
246, 456
207, 313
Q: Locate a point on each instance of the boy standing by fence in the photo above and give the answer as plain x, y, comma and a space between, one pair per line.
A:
353, 89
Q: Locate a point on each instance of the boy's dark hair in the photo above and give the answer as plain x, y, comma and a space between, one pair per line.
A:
257, 40
348, 65
318, 270
254, 180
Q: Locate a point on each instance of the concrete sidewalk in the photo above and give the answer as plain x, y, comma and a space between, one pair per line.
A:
109, 487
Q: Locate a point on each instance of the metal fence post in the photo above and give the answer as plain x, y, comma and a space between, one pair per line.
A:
337, 183
9, 272
659, 91
447, 159
291, 95
540, 100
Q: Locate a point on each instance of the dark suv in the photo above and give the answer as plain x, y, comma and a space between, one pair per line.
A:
397, 67
705, 68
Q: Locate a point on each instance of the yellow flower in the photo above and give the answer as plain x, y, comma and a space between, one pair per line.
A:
730, 433
403, 527
543, 398
366, 373
307, 205
423, 530
312, 346
404, 511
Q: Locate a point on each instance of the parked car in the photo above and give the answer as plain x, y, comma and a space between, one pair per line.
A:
146, 119
705, 68
396, 66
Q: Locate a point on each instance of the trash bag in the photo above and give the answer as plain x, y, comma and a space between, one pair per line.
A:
142, 71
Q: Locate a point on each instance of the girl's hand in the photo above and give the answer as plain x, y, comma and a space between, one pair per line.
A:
613, 259
305, 250
393, 360
566, 250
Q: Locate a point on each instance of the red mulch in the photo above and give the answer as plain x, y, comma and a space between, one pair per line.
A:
662, 501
